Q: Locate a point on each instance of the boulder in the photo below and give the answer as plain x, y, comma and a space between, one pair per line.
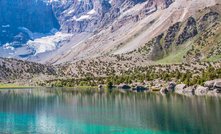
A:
171, 87
209, 84
189, 89
201, 90
163, 89
216, 90
99, 86
180, 86
217, 84
124, 87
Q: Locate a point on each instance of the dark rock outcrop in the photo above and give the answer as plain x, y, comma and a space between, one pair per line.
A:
157, 48
190, 30
124, 87
171, 34
171, 87
207, 19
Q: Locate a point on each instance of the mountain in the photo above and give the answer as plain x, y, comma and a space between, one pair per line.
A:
130, 24
57, 31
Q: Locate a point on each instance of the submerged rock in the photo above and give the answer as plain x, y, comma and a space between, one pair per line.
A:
139, 89
124, 87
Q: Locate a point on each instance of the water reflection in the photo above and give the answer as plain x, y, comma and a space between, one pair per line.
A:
103, 111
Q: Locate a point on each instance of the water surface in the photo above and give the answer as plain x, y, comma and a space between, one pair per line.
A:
106, 111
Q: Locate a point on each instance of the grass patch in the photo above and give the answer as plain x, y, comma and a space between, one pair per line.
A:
175, 57
11, 86
214, 58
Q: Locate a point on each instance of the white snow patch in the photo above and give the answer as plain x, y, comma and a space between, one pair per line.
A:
83, 17
7, 46
92, 12
73, 18
49, 43
6, 25
71, 11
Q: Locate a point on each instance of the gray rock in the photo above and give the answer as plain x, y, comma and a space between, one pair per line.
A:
171, 87
180, 86
99, 86
217, 90
164, 90
209, 84
200, 90
189, 89
217, 84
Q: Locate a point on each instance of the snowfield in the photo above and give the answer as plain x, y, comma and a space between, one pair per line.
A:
49, 43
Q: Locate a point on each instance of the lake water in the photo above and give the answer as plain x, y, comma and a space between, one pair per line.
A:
107, 111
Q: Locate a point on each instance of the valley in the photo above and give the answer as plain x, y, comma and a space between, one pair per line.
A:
188, 47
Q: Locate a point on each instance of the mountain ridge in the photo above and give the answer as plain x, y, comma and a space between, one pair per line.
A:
122, 38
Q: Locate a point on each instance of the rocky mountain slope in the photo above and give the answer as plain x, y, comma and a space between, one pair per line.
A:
195, 39
130, 24
24, 72
72, 30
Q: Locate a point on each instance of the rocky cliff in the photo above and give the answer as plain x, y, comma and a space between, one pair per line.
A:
31, 14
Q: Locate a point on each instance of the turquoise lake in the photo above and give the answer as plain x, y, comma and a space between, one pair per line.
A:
94, 111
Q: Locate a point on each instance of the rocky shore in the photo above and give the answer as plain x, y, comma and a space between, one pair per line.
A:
210, 87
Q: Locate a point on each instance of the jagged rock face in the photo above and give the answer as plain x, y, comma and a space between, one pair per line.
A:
171, 34
37, 16
207, 19
90, 16
190, 30
77, 16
